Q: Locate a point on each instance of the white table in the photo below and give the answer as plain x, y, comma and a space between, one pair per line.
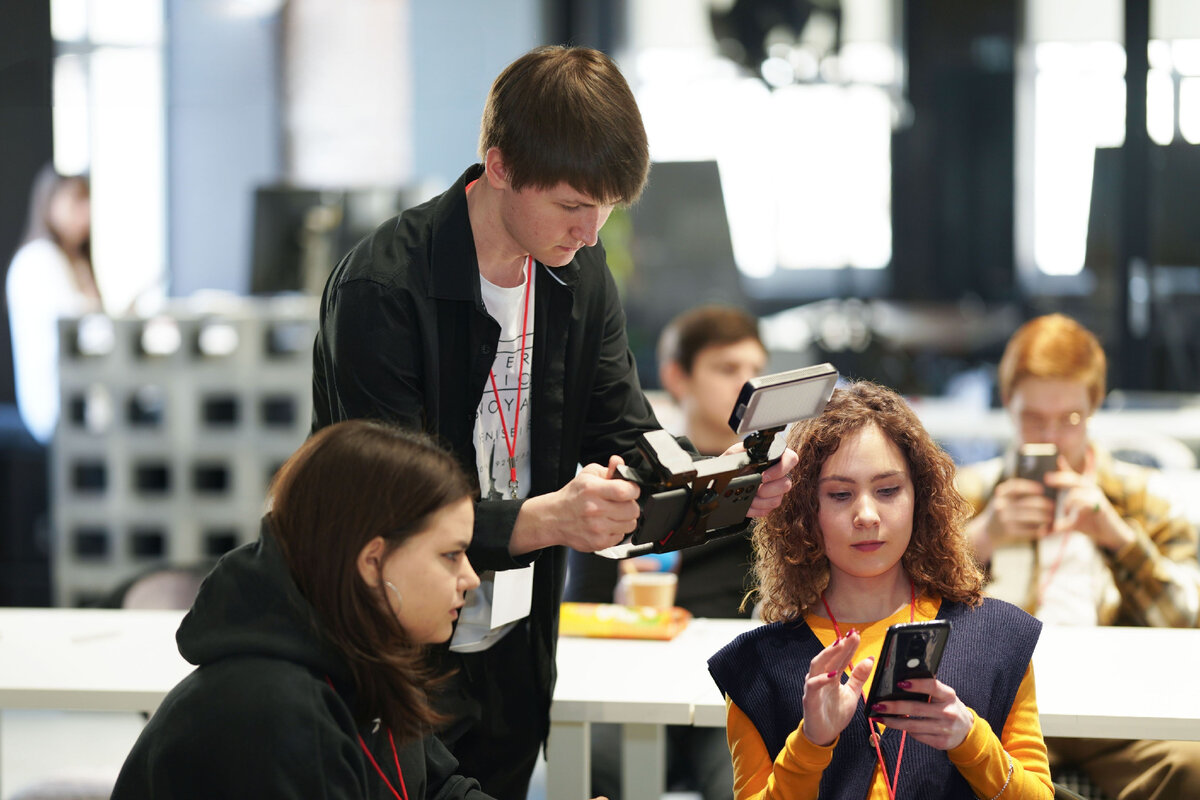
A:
1092, 682
1119, 683
88, 659
643, 684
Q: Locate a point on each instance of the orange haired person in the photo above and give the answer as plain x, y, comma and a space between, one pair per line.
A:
1102, 551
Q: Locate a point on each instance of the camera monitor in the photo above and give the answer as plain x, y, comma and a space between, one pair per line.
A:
773, 401
686, 502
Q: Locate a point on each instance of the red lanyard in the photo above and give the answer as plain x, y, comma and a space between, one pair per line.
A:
891, 785
403, 793
511, 443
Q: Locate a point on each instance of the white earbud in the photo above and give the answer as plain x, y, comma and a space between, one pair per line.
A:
399, 599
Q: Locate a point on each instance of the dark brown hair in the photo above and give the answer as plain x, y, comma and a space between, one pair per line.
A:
703, 327
347, 484
1054, 346
790, 561
566, 114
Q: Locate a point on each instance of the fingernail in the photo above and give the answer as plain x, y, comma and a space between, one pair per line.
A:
904, 684
879, 707
831, 675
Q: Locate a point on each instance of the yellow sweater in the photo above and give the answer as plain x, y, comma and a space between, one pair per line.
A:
796, 772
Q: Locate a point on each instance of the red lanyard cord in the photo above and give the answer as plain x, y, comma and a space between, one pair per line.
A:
403, 793
889, 784
1044, 583
511, 444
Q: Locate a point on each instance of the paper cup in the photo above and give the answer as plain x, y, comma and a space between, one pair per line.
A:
655, 589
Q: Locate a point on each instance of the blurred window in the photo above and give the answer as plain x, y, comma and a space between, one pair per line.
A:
109, 122
1078, 63
803, 142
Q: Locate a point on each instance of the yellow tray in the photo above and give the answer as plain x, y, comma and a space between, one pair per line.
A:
606, 620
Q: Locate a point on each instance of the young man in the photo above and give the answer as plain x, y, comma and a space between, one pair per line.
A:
488, 317
705, 356
1101, 551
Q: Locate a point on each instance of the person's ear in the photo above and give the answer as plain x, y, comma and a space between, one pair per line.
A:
674, 379
495, 168
370, 562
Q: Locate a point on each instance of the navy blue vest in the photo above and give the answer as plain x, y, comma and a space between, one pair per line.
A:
986, 657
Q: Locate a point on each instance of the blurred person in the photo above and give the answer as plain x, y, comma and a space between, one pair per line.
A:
488, 317
310, 643
869, 536
50, 277
1101, 551
705, 355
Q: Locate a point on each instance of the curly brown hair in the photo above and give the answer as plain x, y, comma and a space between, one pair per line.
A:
789, 552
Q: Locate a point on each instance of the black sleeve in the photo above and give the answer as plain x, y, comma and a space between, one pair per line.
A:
280, 742
441, 774
367, 360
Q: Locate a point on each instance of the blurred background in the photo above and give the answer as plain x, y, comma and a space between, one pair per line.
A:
891, 185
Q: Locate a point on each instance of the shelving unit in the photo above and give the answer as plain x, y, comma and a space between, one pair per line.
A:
170, 432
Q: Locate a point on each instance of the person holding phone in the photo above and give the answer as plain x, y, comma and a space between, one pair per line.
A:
1105, 550
869, 536
309, 643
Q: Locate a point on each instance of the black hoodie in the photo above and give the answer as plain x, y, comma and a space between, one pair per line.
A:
257, 718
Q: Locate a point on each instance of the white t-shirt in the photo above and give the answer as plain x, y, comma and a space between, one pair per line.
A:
502, 597
506, 306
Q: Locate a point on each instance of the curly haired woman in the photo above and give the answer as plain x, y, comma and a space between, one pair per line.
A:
871, 535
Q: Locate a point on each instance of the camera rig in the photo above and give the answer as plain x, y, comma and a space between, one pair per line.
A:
687, 502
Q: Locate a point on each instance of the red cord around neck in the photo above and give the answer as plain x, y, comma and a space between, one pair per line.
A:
889, 784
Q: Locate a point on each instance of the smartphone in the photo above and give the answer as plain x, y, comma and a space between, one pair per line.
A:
1034, 461
910, 650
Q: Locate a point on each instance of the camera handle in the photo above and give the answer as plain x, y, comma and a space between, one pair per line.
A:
710, 491
758, 444
705, 499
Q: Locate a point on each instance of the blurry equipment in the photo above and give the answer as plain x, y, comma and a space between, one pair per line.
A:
299, 234
781, 41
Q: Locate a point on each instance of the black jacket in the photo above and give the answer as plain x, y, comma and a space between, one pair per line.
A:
257, 718
405, 337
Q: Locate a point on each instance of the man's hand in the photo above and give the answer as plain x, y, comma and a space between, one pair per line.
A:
1019, 511
1086, 509
592, 512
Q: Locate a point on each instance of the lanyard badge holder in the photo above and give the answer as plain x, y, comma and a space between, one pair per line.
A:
686, 502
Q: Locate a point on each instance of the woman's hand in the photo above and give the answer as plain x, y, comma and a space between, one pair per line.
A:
943, 722
828, 703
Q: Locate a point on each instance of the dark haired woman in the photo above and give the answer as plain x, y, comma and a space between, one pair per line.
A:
308, 643
871, 535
